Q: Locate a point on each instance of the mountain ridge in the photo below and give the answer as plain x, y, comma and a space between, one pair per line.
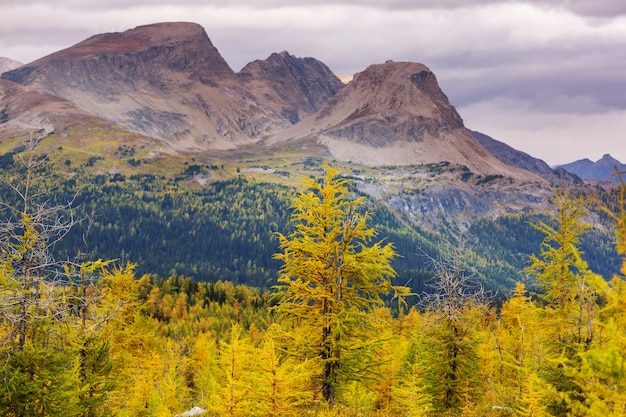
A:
167, 80
294, 87
602, 169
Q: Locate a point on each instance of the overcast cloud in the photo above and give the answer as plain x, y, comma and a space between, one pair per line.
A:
548, 77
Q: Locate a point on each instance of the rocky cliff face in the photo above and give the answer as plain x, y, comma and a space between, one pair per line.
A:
293, 87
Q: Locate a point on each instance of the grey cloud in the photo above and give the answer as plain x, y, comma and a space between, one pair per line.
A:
590, 8
542, 78
597, 8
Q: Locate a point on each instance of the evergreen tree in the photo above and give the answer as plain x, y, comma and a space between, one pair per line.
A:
330, 277
280, 382
39, 378
601, 374
571, 303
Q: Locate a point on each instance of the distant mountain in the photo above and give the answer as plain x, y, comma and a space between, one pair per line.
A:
168, 81
602, 169
7, 64
522, 160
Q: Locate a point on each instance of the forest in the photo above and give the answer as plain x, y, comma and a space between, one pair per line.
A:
226, 229
333, 334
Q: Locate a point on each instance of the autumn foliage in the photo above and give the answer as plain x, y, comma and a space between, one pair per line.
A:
335, 337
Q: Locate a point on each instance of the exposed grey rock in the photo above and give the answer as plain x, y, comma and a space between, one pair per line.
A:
195, 411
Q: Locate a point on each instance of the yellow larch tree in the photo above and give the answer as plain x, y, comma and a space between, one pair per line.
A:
601, 374
331, 276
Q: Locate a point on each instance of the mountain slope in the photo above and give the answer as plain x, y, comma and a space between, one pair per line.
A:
72, 135
602, 169
513, 157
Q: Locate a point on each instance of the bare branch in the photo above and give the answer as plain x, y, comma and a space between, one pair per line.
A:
454, 285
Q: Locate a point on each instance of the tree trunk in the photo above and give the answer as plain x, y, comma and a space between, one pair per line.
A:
330, 369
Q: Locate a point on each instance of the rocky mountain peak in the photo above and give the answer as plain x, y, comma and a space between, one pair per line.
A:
391, 102
138, 53
132, 40
294, 87
608, 159
395, 114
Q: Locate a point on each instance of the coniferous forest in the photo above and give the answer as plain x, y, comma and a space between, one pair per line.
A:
323, 325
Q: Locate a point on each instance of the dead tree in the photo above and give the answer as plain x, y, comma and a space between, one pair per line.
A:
28, 232
454, 303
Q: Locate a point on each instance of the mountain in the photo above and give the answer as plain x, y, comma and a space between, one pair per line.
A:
396, 114
167, 80
602, 169
7, 64
293, 87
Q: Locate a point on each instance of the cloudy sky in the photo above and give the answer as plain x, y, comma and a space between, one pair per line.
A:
548, 77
